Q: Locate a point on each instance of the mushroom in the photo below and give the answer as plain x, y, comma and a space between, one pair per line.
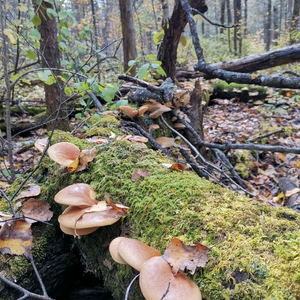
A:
113, 250
142, 110
71, 231
165, 142
129, 111
154, 126
155, 276
135, 253
76, 218
64, 153
79, 194
40, 144
179, 125
159, 111
138, 139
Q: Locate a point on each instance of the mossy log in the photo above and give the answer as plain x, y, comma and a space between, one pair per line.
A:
258, 257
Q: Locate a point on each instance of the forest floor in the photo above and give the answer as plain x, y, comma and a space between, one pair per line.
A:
224, 121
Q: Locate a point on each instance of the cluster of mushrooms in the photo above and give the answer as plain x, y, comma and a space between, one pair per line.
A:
156, 278
84, 214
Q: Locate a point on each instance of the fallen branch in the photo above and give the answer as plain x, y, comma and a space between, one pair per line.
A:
260, 137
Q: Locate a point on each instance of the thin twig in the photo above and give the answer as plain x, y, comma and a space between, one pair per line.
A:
260, 137
166, 292
129, 286
25, 217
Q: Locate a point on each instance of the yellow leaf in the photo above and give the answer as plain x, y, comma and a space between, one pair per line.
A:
253, 76
8, 33
298, 163
17, 22
73, 166
22, 7
8, 6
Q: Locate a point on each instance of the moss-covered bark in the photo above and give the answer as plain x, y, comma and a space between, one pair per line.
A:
258, 259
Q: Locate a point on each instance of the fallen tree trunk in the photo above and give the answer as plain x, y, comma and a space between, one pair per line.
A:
253, 261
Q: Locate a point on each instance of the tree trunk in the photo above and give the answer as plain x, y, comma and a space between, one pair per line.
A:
166, 13
245, 17
128, 33
229, 22
222, 18
296, 21
276, 21
167, 52
49, 48
268, 26
253, 63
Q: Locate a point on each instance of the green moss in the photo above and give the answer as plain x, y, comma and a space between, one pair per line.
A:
63, 136
169, 204
243, 162
242, 170
105, 126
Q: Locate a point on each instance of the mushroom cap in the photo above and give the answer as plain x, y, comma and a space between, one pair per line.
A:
159, 111
64, 153
129, 111
154, 126
75, 217
78, 194
138, 139
71, 231
40, 144
179, 125
165, 142
142, 110
155, 276
113, 250
135, 253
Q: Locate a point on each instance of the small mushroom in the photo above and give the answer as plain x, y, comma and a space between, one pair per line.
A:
135, 253
165, 142
162, 109
154, 126
138, 139
142, 110
155, 276
179, 125
129, 111
79, 194
64, 153
71, 231
40, 144
113, 250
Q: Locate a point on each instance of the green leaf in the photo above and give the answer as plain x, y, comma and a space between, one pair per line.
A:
78, 116
161, 71
142, 71
31, 54
48, 72
51, 13
65, 31
158, 37
122, 102
62, 15
131, 63
36, 20
108, 94
183, 40
154, 65
151, 56
82, 102
68, 91
35, 34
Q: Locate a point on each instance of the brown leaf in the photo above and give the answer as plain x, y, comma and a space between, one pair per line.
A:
117, 206
181, 256
179, 167
73, 166
32, 191
85, 157
16, 238
136, 174
37, 209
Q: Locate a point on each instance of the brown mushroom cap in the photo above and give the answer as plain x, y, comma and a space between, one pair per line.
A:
138, 139
155, 276
154, 126
179, 125
71, 231
64, 153
135, 253
162, 109
79, 194
40, 144
75, 217
113, 250
129, 111
165, 142
142, 110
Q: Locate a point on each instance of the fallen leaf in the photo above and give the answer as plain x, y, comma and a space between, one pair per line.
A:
41, 144
16, 238
100, 206
179, 167
181, 256
281, 156
73, 166
117, 206
33, 190
136, 174
37, 209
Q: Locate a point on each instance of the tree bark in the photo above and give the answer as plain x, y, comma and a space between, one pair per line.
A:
296, 21
128, 33
222, 18
268, 26
167, 52
166, 13
50, 50
229, 21
245, 17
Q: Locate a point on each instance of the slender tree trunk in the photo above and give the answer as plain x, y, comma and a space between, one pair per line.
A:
268, 26
128, 33
237, 30
107, 24
8, 90
222, 19
203, 28
166, 14
295, 21
96, 36
229, 22
276, 21
50, 50
154, 15
245, 18
280, 17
